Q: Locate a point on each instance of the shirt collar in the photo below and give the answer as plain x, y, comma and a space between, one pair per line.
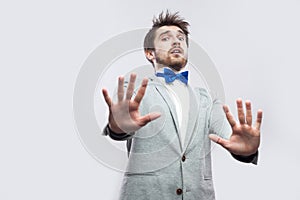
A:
161, 70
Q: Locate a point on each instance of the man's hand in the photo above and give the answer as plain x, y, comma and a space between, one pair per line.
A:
124, 116
245, 138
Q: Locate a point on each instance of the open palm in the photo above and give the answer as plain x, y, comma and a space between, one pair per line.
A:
124, 116
245, 137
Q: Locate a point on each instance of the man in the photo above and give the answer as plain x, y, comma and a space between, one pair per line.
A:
169, 149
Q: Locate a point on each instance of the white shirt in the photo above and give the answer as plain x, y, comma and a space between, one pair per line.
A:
179, 94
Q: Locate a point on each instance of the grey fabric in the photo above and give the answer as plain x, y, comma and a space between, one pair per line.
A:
155, 168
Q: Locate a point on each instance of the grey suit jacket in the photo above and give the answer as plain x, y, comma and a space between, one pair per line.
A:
161, 166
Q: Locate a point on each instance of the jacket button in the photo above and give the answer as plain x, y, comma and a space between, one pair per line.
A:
179, 191
183, 158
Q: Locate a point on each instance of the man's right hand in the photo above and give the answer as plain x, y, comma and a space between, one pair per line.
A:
124, 116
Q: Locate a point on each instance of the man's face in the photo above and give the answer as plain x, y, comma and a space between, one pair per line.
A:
170, 47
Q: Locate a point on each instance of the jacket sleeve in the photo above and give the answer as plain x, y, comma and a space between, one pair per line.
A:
247, 159
116, 136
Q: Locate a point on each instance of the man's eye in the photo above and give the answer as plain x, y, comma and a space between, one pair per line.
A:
165, 39
181, 38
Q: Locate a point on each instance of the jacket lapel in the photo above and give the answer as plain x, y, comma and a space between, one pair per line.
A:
193, 116
163, 91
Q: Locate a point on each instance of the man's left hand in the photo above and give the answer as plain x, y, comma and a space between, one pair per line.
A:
245, 137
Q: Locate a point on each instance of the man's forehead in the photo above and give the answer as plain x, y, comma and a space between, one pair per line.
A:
163, 29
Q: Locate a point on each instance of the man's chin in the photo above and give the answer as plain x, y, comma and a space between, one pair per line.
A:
179, 65
176, 67
176, 64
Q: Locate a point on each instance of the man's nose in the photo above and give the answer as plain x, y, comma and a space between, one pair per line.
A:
176, 42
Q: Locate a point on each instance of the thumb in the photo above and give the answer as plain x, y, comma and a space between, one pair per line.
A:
149, 117
217, 139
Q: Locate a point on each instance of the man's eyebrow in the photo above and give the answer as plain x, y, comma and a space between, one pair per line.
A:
168, 31
180, 31
163, 33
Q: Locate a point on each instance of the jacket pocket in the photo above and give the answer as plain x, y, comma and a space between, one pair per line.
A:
140, 186
140, 174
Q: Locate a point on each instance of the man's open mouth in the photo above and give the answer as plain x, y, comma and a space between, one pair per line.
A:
176, 51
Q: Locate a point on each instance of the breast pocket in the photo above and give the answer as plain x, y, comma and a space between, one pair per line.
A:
208, 187
207, 172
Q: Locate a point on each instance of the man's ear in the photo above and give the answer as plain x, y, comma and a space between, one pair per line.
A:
150, 54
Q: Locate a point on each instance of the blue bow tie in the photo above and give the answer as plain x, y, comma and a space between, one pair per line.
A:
170, 76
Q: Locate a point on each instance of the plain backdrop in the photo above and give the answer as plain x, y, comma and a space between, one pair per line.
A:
43, 44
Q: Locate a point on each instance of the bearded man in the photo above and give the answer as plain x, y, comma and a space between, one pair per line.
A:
170, 148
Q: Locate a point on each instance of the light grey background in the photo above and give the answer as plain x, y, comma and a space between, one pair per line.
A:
254, 44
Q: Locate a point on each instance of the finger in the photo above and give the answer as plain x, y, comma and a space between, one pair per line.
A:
229, 116
140, 94
121, 88
106, 97
248, 113
148, 118
240, 109
130, 88
217, 139
259, 119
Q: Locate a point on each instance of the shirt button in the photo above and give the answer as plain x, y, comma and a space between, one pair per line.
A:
179, 191
183, 158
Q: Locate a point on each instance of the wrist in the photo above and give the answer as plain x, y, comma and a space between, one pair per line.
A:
114, 129
247, 159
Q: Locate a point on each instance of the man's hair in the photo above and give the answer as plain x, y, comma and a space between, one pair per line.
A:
167, 19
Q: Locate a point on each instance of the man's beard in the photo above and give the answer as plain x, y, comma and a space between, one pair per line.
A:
176, 64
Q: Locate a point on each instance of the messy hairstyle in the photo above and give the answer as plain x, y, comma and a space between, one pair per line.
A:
166, 19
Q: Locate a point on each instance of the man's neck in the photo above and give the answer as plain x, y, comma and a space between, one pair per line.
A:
160, 68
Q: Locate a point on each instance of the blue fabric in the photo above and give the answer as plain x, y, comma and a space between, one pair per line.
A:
170, 76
